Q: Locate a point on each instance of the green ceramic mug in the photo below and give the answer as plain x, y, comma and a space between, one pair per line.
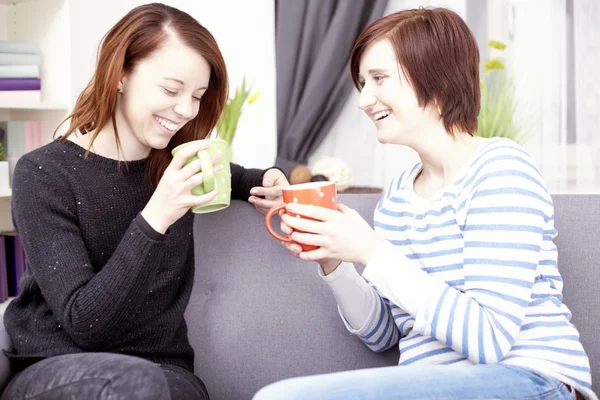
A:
221, 181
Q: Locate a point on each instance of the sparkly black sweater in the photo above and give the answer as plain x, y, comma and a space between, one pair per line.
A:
98, 277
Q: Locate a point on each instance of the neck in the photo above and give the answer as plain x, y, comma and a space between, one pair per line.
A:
105, 143
443, 155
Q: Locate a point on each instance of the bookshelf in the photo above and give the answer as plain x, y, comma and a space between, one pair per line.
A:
47, 23
44, 106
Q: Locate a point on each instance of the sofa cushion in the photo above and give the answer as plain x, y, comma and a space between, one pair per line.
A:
258, 315
577, 220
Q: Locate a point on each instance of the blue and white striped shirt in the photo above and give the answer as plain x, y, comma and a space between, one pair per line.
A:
482, 257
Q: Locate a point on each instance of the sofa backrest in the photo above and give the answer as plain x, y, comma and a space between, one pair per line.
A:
577, 220
258, 315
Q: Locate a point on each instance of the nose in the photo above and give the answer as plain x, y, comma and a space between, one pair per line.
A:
185, 107
366, 99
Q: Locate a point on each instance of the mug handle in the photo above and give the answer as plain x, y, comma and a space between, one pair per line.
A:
268, 217
208, 174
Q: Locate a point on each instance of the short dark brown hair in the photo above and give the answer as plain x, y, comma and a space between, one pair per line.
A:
439, 56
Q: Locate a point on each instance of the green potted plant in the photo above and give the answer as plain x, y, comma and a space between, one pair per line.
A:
498, 102
229, 118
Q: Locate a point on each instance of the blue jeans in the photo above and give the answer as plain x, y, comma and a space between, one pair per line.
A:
492, 381
103, 376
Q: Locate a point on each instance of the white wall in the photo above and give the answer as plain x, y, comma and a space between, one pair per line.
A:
245, 32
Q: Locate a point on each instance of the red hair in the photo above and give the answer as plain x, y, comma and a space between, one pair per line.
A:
439, 56
139, 33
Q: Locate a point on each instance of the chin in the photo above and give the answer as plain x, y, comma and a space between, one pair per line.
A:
385, 137
158, 143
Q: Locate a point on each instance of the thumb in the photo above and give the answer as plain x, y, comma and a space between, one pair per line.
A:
343, 208
267, 182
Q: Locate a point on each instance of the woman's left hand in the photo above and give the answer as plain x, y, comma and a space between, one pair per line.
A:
273, 181
341, 234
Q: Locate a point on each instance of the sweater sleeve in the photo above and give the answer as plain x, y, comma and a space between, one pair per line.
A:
90, 306
507, 214
244, 179
365, 312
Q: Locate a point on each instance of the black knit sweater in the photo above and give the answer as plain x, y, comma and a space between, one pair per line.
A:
99, 278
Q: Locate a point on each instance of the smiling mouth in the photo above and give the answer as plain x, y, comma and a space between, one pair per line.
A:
166, 124
381, 115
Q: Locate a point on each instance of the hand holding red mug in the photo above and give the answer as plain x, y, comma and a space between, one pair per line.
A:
328, 231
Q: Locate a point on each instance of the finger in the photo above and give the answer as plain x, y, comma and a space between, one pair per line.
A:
205, 198
217, 157
193, 181
344, 208
193, 168
263, 203
274, 191
302, 224
191, 149
293, 248
314, 255
310, 211
285, 228
309, 238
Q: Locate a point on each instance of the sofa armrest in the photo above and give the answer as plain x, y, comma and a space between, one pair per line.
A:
4, 344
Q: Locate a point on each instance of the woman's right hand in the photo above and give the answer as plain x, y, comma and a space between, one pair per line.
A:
327, 264
172, 197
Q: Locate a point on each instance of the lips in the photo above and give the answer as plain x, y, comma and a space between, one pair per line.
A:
378, 116
167, 124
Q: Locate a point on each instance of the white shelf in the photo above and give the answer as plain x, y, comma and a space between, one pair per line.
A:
14, 1
5, 192
34, 107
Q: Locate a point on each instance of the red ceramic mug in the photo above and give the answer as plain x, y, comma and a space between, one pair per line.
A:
322, 194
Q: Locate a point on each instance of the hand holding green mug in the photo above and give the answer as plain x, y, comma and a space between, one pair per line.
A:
220, 180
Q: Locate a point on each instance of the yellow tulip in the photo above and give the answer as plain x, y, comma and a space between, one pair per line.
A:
254, 97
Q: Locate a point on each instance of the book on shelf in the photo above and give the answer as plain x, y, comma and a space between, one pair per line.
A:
14, 256
20, 59
13, 84
19, 137
3, 272
19, 71
8, 46
20, 82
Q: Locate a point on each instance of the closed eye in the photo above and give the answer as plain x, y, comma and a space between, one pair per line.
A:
169, 92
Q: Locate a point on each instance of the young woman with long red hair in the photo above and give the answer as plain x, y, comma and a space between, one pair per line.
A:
104, 216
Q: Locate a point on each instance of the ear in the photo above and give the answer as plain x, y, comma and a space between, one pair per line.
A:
121, 84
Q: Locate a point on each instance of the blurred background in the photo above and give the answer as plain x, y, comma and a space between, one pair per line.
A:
538, 59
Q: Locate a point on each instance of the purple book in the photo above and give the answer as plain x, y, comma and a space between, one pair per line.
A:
3, 275
20, 84
15, 262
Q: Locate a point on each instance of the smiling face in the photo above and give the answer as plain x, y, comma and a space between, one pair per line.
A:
162, 94
388, 98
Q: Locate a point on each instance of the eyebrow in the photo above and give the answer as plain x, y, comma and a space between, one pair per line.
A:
376, 71
182, 83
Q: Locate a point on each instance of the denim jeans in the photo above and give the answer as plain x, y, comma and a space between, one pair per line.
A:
492, 381
103, 376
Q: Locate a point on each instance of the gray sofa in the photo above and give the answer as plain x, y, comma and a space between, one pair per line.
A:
258, 315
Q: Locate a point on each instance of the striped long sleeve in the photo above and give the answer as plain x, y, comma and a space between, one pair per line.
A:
503, 235
470, 276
